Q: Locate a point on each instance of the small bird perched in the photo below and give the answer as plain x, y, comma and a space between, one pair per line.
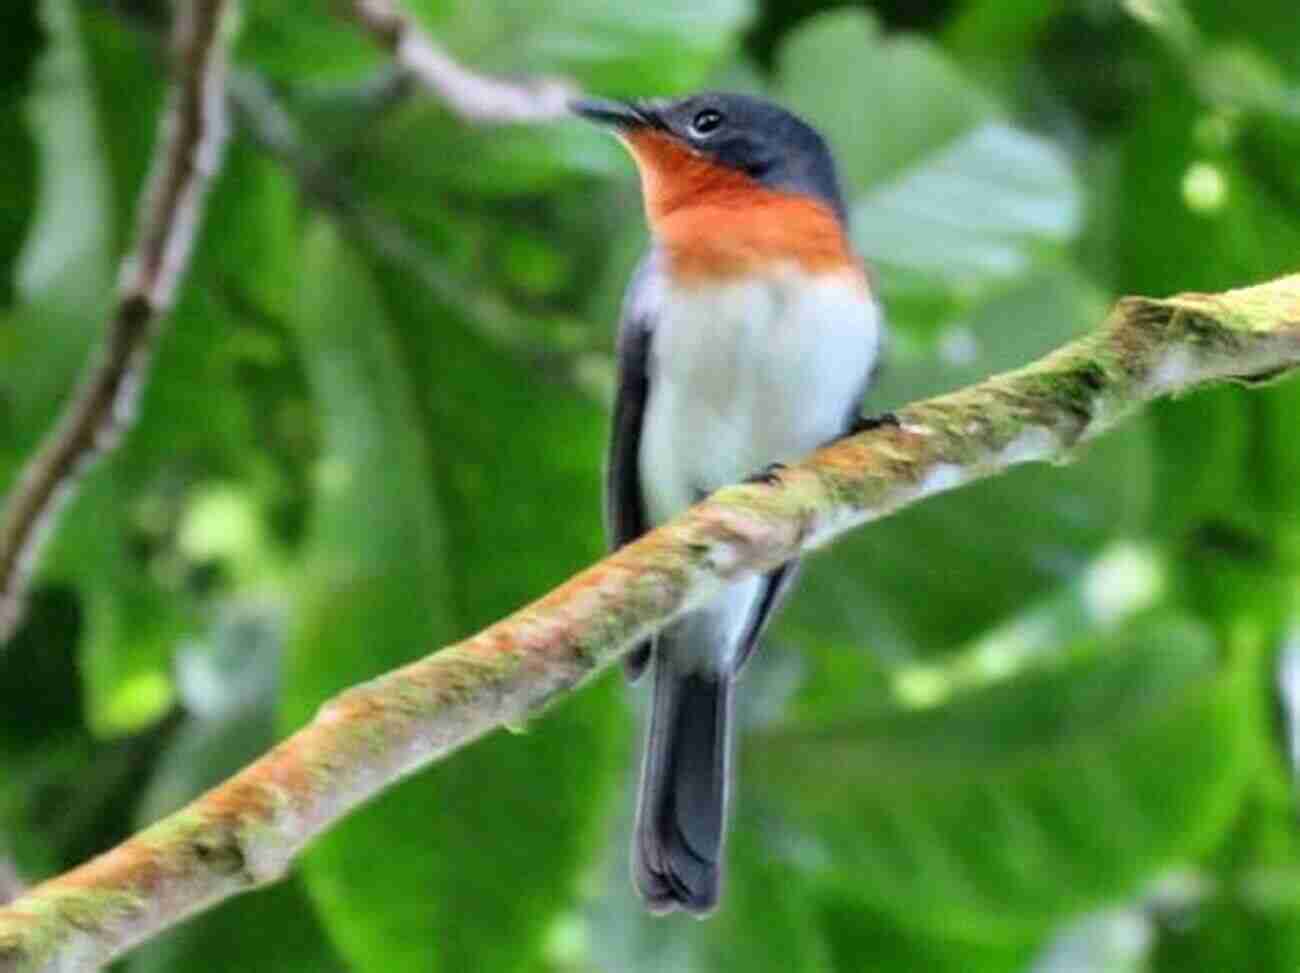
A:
749, 335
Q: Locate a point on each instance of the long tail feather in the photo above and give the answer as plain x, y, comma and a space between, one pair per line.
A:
681, 814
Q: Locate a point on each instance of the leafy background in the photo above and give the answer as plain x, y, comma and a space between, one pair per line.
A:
1045, 724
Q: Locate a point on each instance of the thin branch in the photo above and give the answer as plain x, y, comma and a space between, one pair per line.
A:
260, 113
247, 831
191, 135
473, 97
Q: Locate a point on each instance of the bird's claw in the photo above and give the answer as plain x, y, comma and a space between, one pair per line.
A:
769, 475
868, 423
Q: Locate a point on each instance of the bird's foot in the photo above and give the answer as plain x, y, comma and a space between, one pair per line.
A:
769, 475
868, 423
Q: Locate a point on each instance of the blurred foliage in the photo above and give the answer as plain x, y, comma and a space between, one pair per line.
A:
1038, 725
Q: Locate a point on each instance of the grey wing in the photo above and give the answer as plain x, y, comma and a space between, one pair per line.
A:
625, 512
777, 586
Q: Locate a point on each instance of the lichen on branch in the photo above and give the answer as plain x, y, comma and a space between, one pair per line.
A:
247, 831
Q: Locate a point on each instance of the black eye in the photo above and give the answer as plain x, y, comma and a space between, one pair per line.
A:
706, 122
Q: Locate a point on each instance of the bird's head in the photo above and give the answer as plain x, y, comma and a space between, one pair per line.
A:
715, 147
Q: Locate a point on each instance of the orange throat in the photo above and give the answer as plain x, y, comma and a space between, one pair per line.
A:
716, 223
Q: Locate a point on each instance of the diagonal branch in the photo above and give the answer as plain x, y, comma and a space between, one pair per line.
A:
245, 832
192, 133
258, 112
473, 97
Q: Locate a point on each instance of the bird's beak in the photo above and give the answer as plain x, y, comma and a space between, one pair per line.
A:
622, 116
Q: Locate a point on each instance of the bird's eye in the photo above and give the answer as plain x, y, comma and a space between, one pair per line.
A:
706, 122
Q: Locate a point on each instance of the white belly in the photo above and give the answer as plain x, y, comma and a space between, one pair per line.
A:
743, 375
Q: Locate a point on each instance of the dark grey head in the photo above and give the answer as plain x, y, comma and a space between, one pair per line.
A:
763, 140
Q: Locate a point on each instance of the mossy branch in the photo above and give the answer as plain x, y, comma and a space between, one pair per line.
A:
246, 832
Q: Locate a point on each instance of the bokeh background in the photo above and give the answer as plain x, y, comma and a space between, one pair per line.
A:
1044, 724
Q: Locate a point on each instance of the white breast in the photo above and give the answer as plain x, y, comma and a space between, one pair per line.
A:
747, 374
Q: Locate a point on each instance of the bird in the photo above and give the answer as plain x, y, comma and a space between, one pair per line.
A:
750, 332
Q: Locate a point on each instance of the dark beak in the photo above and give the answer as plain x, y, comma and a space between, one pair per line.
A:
621, 116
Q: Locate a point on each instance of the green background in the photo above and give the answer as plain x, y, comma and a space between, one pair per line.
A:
1040, 725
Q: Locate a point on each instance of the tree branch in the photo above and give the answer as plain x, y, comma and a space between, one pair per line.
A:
473, 97
246, 832
273, 128
190, 138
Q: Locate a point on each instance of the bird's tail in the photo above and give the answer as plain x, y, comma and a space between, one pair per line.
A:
681, 811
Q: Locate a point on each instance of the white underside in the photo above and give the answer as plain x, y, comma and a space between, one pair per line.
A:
743, 375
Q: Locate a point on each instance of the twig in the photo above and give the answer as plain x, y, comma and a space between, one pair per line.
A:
245, 832
273, 128
473, 97
191, 135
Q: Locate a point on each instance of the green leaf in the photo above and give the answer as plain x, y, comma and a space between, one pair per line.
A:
248, 246
41, 351
419, 146
1245, 911
1275, 463
516, 446
434, 515
1246, 914
756, 930
66, 263
128, 87
1125, 581
1201, 447
297, 40
862, 938
949, 201
1234, 935
978, 819
911, 100
1238, 233
611, 47
131, 629
980, 210
996, 36
1269, 25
